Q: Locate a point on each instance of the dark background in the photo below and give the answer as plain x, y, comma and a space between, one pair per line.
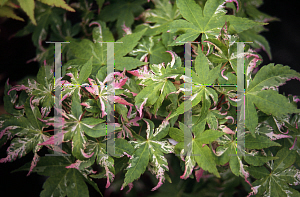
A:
283, 36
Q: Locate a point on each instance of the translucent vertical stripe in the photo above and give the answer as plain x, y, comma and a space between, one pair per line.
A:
241, 96
110, 104
57, 105
187, 102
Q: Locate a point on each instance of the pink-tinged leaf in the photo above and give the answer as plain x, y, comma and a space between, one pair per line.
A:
139, 109
70, 75
120, 84
108, 173
226, 129
235, 1
222, 73
294, 143
86, 155
134, 121
129, 156
296, 99
96, 23
126, 29
244, 173
18, 88
111, 76
173, 58
199, 174
223, 114
85, 104
130, 185
189, 166
93, 90
75, 165
277, 136
254, 190
102, 107
54, 139
160, 182
230, 117
6, 130
135, 73
19, 107
33, 163
121, 101
234, 99
45, 111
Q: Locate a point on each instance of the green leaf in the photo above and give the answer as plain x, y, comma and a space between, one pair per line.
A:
76, 107
94, 130
28, 7
123, 12
62, 181
8, 12
208, 136
78, 143
163, 14
205, 158
156, 51
271, 76
258, 160
85, 71
2, 2
32, 113
259, 142
58, 3
176, 134
208, 22
275, 183
138, 164
150, 153
123, 146
258, 41
239, 24
268, 101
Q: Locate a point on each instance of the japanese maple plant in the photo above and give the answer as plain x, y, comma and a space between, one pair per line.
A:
150, 84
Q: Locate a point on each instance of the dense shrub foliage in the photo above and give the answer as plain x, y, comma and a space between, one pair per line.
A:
150, 83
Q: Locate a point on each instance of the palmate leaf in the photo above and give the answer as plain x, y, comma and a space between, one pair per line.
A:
76, 127
6, 11
158, 86
96, 150
149, 152
197, 149
202, 76
41, 89
29, 130
260, 93
207, 22
84, 49
148, 48
163, 14
274, 183
29, 5
63, 181
123, 12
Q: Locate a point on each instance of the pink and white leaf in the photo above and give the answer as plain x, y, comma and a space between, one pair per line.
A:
33, 163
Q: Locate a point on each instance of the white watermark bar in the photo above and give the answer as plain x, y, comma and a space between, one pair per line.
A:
58, 139
110, 106
187, 103
240, 120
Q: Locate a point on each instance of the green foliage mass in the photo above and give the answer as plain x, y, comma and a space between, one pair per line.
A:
149, 83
